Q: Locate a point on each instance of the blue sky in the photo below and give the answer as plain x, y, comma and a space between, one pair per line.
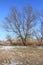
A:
5, 6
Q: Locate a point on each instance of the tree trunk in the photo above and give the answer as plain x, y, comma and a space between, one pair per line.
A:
41, 42
24, 42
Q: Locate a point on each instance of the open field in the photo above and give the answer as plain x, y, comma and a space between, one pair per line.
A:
21, 55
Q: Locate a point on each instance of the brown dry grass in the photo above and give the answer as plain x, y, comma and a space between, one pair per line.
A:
25, 55
28, 42
19, 42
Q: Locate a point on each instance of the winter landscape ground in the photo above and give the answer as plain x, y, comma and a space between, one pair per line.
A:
21, 55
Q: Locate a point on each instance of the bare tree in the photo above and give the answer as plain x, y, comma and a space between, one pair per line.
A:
41, 27
21, 22
37, 35
41, 31
9, 38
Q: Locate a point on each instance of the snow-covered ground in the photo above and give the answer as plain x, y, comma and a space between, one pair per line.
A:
6, 47
10, 47
21, 55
